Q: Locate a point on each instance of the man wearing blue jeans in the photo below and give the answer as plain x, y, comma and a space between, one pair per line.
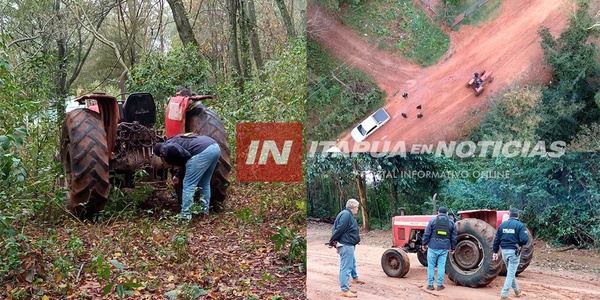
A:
344, 237
439, 237
197, 156
511, 236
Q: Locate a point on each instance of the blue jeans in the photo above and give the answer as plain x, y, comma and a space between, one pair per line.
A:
511, 261
353, 272
198, 171
346, 261
436, 257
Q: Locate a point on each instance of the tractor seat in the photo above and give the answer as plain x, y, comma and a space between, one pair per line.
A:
140, 107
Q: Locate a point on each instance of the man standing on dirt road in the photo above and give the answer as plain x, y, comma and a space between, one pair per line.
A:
511, 236
344, 238
440, 236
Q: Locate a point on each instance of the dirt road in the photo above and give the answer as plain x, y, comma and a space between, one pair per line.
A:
507, 45
539, 280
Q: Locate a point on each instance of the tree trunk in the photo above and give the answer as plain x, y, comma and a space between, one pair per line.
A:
287, 19
233, 37
182, 22
254, 41
245, 42
362, 196
61, 75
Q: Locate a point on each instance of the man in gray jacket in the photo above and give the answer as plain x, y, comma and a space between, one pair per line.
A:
344, 237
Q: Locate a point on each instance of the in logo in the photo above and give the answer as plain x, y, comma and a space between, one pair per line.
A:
269, 152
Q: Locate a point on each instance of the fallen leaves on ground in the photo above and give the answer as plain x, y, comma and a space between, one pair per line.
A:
228, 255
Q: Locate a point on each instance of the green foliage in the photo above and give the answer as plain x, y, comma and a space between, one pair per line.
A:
571, 57
104, 272
556, 195
391, 182
425, 43
276, 95
11, 247
514, 114
297, 244
186, 291
487, 11
161, 74
587, 139
338, 97
399, 25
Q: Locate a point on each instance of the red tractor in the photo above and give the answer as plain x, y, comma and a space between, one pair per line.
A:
113, 139
478, 80
471, 264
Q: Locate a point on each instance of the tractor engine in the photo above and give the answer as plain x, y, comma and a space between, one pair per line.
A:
135, 139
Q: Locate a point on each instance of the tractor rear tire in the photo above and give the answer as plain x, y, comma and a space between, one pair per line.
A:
422, 257
526, 256
84, 154
395, 263
204, 121
471, 264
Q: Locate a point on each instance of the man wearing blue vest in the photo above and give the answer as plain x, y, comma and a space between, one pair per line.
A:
439, 238
511, 236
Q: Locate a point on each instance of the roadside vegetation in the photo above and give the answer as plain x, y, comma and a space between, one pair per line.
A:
338, 95
397, 26
448, 10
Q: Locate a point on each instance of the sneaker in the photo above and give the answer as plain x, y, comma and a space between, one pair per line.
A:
357, 281
441, 287
430, 287
348, 294
504, 298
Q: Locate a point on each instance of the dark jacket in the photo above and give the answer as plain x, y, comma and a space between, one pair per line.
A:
433, 242
510, 233
180, 148
345, 229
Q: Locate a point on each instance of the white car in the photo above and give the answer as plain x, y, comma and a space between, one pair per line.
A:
368, 126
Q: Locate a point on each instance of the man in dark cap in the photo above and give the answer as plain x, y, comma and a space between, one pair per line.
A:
196, 155
511, 236
439, 238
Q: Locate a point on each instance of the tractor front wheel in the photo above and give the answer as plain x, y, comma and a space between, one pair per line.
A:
471, 264
84, 154
395, 263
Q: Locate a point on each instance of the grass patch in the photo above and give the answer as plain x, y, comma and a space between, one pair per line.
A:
338, 95
399, 26
488, 11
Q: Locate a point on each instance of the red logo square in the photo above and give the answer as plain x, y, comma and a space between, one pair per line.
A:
269, 152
